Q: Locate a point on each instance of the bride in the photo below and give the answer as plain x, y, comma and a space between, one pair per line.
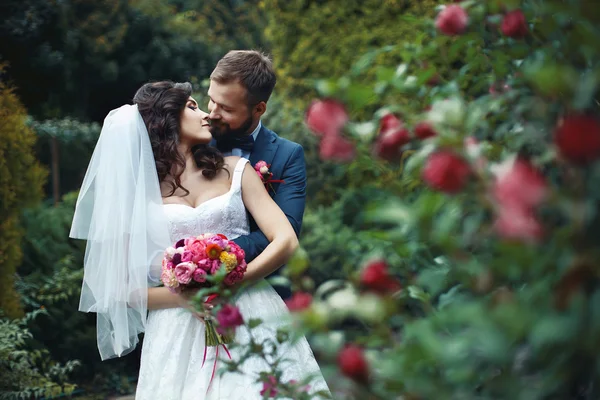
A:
153, 180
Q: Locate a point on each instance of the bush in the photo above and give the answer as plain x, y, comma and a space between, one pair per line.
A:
512, 274
26, 371
75, 142
319, 39
490, 285
50, 277
21, 180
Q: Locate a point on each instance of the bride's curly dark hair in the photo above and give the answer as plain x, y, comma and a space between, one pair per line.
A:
160, 105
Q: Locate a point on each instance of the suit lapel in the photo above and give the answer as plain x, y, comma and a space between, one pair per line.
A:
264, 147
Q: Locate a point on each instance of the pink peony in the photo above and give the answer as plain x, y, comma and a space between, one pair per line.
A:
187, 256
269, 387
229, 316
238, 251
215, 266
236, 275
198, 250
199, 275
169, 279
205, 264
184, 271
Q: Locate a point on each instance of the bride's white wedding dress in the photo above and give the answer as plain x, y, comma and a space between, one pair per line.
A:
173, 349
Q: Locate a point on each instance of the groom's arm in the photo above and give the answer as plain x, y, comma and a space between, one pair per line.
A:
290, 197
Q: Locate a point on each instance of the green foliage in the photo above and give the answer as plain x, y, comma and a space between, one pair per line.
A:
27, 371
319, 39
50, 277
480, 315
21, 179
75, 142
81, 59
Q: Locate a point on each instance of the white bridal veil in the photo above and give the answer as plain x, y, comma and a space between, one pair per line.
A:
119, 212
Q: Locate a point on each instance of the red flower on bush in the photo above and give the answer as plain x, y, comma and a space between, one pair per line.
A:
375, 276
392, 136
446, 171
518, 224
229, 317
578, 138
424, 130
452, 20
326, 117
299, 301
518, 189
522, 186
514, 24
336, 148
353, 364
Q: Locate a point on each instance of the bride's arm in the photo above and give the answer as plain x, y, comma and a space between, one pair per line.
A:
272, 222
161, 297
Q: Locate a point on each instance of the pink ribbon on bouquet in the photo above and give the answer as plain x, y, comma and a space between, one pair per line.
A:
208, 300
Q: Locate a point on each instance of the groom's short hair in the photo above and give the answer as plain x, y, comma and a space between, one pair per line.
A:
252, 69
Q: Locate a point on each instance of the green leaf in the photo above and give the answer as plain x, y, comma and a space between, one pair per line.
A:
416, 292
254, 322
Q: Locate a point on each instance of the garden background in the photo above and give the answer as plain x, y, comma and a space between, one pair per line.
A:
450, 243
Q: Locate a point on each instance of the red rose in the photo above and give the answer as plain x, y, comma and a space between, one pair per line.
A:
424, 130
452, 20
299, 301
229, 316
522, 186
514, 24
335, 147
518, 224
578, 138
353, 364
446, 171
392, 136
326, 117
375, 276
389, 121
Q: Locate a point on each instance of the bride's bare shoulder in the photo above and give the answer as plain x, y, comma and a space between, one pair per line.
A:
231, 161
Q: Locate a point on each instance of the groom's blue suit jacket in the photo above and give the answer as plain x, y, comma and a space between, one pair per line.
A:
287, 163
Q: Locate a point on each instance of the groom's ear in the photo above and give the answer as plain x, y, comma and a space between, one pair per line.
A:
260, 109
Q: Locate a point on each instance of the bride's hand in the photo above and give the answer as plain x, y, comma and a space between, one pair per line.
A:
185, 297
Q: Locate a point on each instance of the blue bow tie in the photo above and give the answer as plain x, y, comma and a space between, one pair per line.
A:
244, 143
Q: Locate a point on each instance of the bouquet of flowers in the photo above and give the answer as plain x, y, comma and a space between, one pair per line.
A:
190, 263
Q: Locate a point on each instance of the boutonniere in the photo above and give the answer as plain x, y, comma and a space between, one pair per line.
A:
266, 176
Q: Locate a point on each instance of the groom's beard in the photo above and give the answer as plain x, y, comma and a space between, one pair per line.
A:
220, 130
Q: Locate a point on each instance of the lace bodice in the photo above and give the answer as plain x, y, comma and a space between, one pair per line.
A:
223, 214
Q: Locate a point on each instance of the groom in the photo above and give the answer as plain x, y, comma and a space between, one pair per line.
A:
240, 87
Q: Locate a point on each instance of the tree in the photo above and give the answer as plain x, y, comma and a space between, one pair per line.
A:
21, 180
